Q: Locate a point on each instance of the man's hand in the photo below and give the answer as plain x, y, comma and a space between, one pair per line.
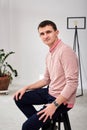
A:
47, 112
18, 95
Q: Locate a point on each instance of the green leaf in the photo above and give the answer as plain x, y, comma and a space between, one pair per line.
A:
13, 70
8, 55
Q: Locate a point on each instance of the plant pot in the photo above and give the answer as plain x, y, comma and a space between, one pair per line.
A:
4, 83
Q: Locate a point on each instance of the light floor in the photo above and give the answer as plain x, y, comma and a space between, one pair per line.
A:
11, 118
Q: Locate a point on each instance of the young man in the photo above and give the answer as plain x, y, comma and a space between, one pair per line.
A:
61, 77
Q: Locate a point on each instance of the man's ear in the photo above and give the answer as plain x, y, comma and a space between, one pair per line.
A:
57, 32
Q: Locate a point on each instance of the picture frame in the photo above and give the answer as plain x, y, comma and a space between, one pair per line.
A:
79, 22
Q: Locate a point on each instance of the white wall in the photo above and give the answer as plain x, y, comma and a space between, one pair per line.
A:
4, 24
18, 22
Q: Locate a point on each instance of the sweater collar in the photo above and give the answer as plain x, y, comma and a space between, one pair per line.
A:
54, 46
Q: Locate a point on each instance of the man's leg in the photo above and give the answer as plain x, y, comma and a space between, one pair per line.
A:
25, 104
30, 98
32, 123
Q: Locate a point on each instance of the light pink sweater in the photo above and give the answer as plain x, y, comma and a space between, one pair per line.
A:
62, 72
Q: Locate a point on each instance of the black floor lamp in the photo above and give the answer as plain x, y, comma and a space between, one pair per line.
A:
77, 23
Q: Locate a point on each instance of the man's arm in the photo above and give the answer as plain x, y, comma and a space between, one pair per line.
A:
38, 84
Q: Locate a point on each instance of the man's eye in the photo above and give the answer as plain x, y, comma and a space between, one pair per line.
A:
47, 32
41, 34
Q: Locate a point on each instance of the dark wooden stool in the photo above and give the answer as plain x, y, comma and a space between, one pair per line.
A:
56, 124
62, 118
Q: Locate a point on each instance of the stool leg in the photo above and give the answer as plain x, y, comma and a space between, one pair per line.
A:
53, 125
62, 118
59, 125
66, 121
59, 122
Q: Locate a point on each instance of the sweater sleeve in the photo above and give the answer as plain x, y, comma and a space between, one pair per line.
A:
70, 66
46, 74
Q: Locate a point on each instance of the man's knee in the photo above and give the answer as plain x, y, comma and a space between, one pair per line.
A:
18, 102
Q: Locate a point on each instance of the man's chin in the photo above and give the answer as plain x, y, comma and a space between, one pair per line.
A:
47, 43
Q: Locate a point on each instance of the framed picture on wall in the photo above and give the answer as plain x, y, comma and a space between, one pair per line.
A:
80, 22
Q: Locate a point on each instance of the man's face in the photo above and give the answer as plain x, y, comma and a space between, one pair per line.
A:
48, 35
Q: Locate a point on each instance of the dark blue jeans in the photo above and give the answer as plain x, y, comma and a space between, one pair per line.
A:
36, 97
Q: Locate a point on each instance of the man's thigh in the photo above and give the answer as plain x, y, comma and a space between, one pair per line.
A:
36, 97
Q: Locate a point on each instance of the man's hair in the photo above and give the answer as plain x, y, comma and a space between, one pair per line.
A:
47, 22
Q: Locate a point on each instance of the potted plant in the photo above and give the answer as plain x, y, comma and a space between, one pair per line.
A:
6, 70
